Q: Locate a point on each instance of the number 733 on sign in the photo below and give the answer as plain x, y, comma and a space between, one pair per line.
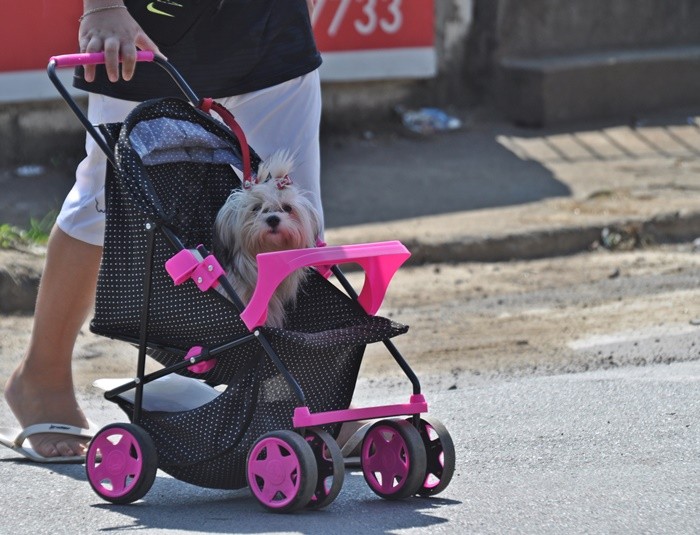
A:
333, 17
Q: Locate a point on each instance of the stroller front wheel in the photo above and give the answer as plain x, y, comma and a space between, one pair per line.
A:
121, 463
440, 455
281, 471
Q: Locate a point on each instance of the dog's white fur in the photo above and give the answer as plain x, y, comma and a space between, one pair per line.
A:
265, 218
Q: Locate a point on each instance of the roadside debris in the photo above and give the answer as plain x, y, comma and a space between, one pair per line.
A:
30, 170
621, 238
427, 121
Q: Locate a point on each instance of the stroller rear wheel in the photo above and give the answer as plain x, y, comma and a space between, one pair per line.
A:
440, 455
393, 459
281, 471
330, 465
121, 463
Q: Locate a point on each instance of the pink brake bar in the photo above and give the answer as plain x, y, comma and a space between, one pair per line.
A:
93, 58
304, 418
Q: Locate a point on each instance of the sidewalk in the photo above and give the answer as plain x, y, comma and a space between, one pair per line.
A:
491, 192
496, 192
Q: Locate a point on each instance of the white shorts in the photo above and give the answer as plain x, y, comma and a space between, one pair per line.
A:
285, 116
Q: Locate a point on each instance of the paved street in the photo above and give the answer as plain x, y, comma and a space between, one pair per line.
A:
614, 451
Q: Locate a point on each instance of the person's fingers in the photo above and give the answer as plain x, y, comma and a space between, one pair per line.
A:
89, 73
118, 35
145, 43
111, 49
128, 57
93, 44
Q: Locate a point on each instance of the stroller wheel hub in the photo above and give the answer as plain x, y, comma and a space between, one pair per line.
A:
276, 472
116, 462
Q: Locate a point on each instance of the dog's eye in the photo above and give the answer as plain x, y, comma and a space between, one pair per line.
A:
256, 208
287, 208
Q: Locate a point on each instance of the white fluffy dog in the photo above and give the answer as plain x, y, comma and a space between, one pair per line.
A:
265, 215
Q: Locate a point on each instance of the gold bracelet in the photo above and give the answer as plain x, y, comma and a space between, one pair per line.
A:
98, 9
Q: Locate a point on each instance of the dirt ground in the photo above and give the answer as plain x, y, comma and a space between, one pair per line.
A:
474, 322
559, 315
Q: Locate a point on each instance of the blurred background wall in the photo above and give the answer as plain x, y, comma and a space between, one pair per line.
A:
532, 62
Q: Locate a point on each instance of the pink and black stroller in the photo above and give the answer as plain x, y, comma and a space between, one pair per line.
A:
235, 403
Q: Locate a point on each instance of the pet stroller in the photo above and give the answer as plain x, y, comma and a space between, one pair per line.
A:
235, 403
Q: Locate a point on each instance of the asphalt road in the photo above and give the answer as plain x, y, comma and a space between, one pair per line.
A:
611, 451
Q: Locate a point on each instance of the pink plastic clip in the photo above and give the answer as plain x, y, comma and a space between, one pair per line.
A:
189, 264
203, 366
206, 275
181, 266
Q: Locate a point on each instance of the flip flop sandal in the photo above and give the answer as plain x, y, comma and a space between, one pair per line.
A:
351, 448
17, 444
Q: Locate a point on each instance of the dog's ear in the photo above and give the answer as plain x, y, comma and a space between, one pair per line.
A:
223, 239
312, 220
220, 251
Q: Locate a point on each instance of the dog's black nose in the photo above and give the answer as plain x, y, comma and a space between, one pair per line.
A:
273, 221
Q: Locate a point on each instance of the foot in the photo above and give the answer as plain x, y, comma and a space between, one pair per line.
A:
347, 432
36, 400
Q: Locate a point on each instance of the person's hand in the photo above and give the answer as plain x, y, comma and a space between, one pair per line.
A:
115, 32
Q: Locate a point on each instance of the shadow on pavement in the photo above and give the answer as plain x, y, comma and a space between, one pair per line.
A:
173, 505
386, 179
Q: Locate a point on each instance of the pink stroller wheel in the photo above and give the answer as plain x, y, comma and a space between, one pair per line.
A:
121, 463
393, 459
330, 465
440, 455
282, 471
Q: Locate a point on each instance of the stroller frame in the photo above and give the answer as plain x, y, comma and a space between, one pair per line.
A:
380, 261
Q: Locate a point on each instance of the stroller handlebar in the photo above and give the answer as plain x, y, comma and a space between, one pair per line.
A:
93, 58
97, 58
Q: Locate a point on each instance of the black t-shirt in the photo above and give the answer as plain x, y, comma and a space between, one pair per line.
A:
221, 47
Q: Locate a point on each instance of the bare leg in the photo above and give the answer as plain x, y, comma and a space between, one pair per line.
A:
347, 430
41, 387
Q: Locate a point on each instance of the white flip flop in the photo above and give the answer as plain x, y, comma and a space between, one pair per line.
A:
350, 449
17, 444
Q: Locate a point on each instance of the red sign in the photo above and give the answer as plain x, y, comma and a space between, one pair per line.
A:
34, 30
359, 39
348, 25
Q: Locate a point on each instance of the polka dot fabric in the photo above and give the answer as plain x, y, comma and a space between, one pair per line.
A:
322, 346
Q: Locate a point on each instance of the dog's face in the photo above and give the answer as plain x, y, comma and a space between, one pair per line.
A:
267, 214
277, 219
267, 217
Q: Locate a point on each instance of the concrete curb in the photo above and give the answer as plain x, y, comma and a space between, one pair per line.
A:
20, 272
660, 229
